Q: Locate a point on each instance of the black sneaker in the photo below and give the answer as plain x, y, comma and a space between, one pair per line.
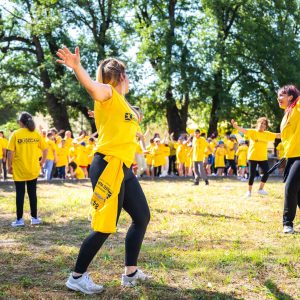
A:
206, 182
196, 183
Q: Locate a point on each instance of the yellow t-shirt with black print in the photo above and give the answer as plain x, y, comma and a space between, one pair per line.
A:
26, 146
258, 148
290, 132
117, 126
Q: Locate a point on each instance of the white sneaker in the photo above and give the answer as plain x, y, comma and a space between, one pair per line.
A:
244, 179
36, 221
132, 281
248, 194
18, 223
288, 229
262, 192
84, 284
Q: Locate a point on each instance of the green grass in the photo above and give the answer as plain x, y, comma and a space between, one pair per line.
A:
203, 242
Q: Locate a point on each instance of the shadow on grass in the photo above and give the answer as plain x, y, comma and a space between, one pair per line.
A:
275, 291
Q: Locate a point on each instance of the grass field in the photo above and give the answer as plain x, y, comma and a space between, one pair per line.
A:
203, 242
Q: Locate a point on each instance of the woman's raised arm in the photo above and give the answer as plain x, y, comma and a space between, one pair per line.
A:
98, 91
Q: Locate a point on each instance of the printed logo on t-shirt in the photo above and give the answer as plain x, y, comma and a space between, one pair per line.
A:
128, 116
28, 141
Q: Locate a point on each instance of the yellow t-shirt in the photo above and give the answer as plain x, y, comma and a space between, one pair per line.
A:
149, 156
26, 144
242, 155
280, 150
73, 154
290, 133
51, 149
139, 149
189, 157
62, 156
230, 150
91, 152
159, 158
172, 148
259, 143
68, 142
117, 127
82, 156
199, 146
220, 157
79, 174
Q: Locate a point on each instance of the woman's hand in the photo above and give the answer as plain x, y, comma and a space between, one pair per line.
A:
234, 123
67, 58
91, 114
10, 170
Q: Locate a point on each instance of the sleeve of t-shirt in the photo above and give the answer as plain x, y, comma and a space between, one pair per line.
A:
12, 143
271, 136
42, 144
250, 133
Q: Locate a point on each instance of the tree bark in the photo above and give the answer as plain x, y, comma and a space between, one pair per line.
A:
56, 108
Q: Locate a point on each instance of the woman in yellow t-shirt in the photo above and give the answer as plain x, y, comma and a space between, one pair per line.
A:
110, 172
220, 153
241, 154
258, 151
289, 99
23, 162
75, 171
62, 159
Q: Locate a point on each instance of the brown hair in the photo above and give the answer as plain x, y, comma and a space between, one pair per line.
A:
262, 119
110, 71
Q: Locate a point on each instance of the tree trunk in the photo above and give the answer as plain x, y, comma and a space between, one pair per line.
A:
56, 108
213, 122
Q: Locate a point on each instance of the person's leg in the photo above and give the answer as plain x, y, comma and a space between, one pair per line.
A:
4, 170
264, 167
202, 172
20, 194
95, 240
252, 167
31, 191
63, 172
136, 206
196, 172
292, 193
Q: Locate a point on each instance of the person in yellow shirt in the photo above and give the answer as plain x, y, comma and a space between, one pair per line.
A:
258, 151
209, 156
68, 139
181, 155
158, 157
241, 154
51, 156
149, 158
289, 99
231, 147
75, 171
172, 157
90, 149
199, 146
24, 164
3, 147
112, 179
62, 160
166, 153
220, 153
83, 158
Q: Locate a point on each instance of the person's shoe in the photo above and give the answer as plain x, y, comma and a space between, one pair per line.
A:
18, 223
196, 183
134, 280
36, 221
244, 179
288, 229
84, 284
206, 182
262, 192
248, 194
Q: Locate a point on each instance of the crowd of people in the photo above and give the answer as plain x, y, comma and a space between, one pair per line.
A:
117, 155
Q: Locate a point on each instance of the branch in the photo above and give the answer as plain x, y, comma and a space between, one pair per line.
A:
16, 38
5, 49
14, 15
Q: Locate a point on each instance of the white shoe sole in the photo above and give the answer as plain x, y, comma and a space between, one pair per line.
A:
79, 289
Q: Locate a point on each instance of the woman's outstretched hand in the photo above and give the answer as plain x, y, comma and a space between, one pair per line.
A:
67, 58
234, 123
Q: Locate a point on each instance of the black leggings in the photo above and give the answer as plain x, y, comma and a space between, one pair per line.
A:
20, 194
263, 164
132, 199
292, 193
